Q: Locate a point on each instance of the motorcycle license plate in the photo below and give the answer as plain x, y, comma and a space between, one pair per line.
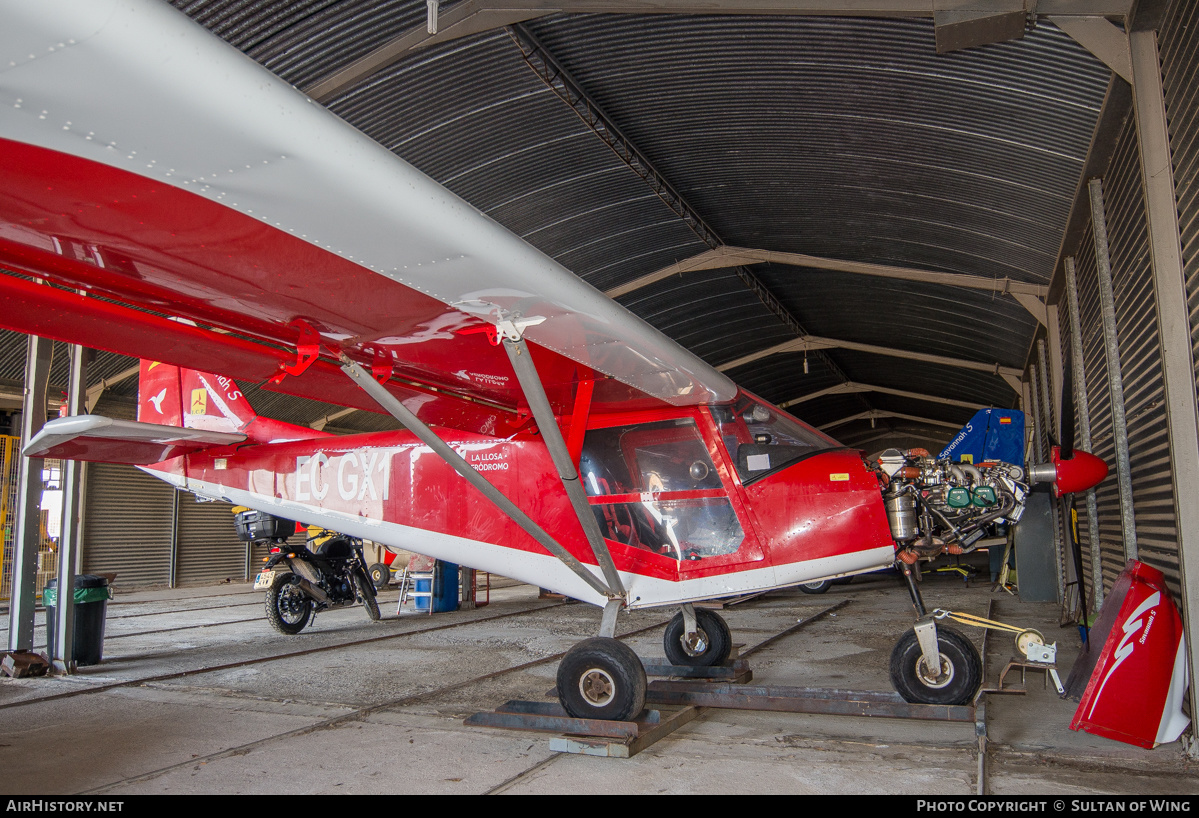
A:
263, 580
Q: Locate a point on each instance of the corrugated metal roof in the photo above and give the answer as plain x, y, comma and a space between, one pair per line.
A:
848, 138
13, 351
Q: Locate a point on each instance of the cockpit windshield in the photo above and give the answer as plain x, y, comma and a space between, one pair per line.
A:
761, 440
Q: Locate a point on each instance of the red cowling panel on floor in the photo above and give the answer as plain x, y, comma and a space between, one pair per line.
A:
1137, 688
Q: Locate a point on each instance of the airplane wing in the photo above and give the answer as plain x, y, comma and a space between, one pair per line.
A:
153, 172
91, 437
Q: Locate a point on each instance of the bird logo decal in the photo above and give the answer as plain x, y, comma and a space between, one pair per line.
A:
157, 400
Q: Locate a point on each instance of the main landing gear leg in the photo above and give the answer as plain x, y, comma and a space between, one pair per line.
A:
602, 678
608, 620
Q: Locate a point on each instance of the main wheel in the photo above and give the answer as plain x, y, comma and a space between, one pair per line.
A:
954, 682
816, 587
710, 646
367, 592
288, 608
380, 575
601, 678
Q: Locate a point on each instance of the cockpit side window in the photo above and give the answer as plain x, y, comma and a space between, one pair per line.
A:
653, 486
761, 440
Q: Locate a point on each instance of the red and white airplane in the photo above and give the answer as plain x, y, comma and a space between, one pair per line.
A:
165, 197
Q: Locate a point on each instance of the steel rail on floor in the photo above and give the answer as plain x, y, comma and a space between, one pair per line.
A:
696, 688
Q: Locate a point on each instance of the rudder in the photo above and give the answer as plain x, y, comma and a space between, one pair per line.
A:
172, 396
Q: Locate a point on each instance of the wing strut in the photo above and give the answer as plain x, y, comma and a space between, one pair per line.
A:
530, 382
401, 413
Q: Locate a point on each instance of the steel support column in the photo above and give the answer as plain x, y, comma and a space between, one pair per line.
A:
1053, 340
1115, 377
70, 538
1034, 407
1083, 408
1046, 391
173, 568
1030, 446
29, 497
1178, 368
1051, 432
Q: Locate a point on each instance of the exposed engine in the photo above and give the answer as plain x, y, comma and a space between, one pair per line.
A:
936, 506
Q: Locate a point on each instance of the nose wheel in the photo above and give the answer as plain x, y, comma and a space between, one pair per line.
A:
710, 645
602, 678
955, 678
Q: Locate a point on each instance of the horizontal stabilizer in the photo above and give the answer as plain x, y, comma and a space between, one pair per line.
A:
96, 438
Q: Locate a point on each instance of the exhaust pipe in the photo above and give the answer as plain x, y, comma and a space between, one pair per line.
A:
314, 591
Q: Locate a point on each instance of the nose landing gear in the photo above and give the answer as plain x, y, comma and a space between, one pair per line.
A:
710, 644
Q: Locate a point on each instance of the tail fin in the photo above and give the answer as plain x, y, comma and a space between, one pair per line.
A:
208, 411
171, 396
992, 434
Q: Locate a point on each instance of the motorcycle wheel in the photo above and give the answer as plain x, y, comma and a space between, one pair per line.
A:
288, 608
367, 591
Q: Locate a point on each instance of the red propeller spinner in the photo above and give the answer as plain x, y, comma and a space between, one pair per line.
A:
1077, 472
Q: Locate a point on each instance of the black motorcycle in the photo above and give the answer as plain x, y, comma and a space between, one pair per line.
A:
300, 582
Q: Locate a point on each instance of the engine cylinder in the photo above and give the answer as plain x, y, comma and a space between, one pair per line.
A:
901, 514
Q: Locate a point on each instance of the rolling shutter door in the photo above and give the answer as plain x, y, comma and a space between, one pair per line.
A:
127, 525
1140, 359
209, 550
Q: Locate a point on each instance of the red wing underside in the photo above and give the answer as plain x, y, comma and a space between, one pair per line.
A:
141, 245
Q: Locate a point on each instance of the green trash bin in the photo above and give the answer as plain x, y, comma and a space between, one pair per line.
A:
91, 604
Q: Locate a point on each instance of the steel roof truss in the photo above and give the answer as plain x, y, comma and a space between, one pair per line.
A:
1106, 41
878, 414
980, 21
811, 342
1030, 296
849, 387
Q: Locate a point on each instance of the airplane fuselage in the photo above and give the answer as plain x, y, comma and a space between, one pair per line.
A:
821, 516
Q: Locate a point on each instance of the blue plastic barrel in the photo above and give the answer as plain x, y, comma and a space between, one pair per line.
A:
445, 588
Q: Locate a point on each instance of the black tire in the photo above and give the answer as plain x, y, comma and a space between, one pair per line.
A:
960, 672
816, 587
380, 575
716, 643
602, 678
288, 608
367, 591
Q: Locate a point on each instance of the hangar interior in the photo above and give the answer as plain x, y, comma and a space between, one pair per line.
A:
877, 217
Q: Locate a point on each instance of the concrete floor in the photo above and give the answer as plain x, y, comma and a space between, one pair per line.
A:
193, 697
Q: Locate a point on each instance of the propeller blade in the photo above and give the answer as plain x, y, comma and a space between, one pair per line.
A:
1070, 524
